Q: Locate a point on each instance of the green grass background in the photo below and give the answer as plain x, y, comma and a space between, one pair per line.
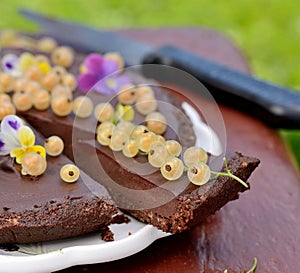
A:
268, 31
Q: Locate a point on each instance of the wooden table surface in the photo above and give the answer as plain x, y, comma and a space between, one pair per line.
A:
263, 223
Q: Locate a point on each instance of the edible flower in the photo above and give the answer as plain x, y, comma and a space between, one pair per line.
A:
17, 139
27, 60
97, 75
124, 112
11, 65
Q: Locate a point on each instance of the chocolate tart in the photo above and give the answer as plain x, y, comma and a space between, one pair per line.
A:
36, 209
171, 206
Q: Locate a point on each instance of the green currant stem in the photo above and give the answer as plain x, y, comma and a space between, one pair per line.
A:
253, 268
142, 153
229, 174
115, 120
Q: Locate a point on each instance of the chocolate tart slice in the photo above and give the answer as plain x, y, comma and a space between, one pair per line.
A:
36, 209
172, 206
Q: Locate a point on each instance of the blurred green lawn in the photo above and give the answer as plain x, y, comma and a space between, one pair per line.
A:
268, 31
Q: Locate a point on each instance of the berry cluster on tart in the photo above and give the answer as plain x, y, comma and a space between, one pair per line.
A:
95, 124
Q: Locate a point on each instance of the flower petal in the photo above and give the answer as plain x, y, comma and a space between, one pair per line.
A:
11, 124
18, 153
26, 136
125, 112
86, 82
121, 80
10, 64
111, 84
9, 128
27, 60
109, 67
128, 113
104, 87
44, 67
5, 147
93, 63
37, 149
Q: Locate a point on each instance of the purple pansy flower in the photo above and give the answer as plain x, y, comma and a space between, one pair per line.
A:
101, 75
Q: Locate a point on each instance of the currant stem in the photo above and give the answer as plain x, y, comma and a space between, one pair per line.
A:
229, 174
253, 268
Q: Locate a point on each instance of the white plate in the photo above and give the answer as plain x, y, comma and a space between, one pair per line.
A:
55, 255
129, 238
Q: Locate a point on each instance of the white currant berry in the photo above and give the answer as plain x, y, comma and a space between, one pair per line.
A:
146, 104
156, 123
6, 108
61, 106
174, 148
59, 71
33, 164
127, 94
41, 100
144, 90
194, 155
22, 101
69, 80
160, 138
46, 44
63, 56
54, 145
105, 125
61, 91
104, 112
144, 141
115, 56
5, 98
140, 129
104, 135
6, 82
69, 173
118, 140
130, 149
199, 173
50, 81
19, 84
126, 126
172, 169
33, 73
157, 154
31, 87
40, 58
83, 107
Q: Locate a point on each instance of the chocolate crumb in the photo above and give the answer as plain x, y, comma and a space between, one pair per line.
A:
129, 233
107, 235
121, 219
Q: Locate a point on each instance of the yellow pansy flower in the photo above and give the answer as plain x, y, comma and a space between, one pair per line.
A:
44, 67
26, 138
125, 112
26, 60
